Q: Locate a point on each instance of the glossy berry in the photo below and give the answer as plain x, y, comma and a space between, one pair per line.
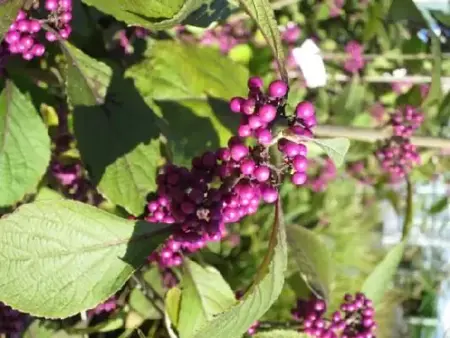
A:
278, 89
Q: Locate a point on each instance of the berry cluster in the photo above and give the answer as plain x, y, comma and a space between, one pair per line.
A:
355, 60
397, 155
355, 319
23, 35
224, 186
11, 321
327, 172
406, 121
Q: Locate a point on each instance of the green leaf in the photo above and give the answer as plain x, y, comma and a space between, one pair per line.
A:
349, 102
8, 13
117, 134
205, 294
174, 71
262, 12
435, 93
267, 287
196, 92
46, 194
312, 260
62, 257
402, 10
335, 148
210, 11
281, 334
160, 14
439, 206
172, 310
378, 282
142, 305
24, 145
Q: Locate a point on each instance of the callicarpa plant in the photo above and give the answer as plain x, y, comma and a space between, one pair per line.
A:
165, 170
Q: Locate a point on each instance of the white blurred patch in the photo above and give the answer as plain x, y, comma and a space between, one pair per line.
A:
310, 61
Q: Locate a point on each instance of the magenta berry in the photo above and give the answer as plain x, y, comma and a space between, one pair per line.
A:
278, 89
235, 104
238, 151
305, 110
267, 113
255, 82
262, 173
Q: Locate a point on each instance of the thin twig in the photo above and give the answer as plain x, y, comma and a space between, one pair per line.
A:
413, 79
373, 135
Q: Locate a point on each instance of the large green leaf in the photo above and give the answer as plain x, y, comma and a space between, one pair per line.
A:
266, 289
281, 334
262, 12
117, 133
312, 259
155, 14
61, 257
24, 145
205, 294
8, 13
379, 281
189, 85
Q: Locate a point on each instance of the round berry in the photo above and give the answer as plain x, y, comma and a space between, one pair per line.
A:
299, 178
235, 104
267, 113
255, 82
247, 167
300, 163
262, 173
269, 194
304, 110
278, 89
238, 151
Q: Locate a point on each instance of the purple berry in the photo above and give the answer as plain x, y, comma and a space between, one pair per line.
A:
299, 178
248, 167
267, 113
304, 110
269, 194
262, 173
278, 89
235, 104
255, 82
238, 151
300, 163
